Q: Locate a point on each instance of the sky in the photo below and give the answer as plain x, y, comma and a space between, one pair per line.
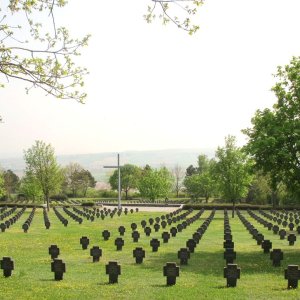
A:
155, 87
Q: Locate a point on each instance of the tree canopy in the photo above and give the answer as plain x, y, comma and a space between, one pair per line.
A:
42, 168
42, 57
274, 139
232, 170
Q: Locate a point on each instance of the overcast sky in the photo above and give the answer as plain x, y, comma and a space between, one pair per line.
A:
155, 87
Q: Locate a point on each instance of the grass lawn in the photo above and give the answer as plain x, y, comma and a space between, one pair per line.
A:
202, 278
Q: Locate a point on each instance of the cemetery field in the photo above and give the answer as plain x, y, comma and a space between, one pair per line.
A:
202, 278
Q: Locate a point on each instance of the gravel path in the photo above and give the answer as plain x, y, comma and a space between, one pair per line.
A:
149, 208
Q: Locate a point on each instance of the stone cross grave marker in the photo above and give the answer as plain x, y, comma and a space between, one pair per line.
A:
7, 265
54, 251
276, 255
232, 273
266, 246
96, 253
135, 236
154, 243
184, 255
139, 255
119, 242
147, 231
171, 271
59, 268
105, 234
122, 230
84, 242
165, 236
113, 270
292, 239
292, 274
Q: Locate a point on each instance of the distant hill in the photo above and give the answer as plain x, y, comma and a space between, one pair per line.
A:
94, 162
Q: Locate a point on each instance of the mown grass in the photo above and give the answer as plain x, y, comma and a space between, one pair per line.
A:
201, 279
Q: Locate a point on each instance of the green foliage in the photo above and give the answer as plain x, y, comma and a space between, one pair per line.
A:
199, 181
232, 171
274, 139
11, 182
32, 54
2, 188
182, 18
42, 169
77, 179
30, 187
129, 178
155, 183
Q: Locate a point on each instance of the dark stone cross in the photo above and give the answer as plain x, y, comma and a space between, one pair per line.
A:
54, 251
156, 227
184, 255
163, 224
171, 271
292, 239
291, 226
282, 234
106, 235
232, 273
173, 231
165, 236
59, 268
154, 243
119, 242
7, 265
147, 231
135, 235
113, 270
2, 227
275, 229
276, 255
143, 223
122, 230
292, 274
229, 255
133, 226
259, 238
191, 244
139, 255
266, 245
84, 242
96, 253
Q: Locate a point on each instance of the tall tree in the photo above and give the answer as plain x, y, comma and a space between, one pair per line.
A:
30, 187
178, 174
42, 56
129, 178
42, 166
232, 171
2, 189
11, 182
155, 183
274, 139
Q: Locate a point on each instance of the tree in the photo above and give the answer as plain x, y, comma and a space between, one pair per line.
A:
77, 179
181, 18
2, 190
30, 187
199, 181
129, 178
232, 171
178, 174
40, 58
11, 182
42, 168
274, 139
155, 183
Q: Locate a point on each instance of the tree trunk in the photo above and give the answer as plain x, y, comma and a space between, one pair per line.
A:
48, 204
233, 208
126, 194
